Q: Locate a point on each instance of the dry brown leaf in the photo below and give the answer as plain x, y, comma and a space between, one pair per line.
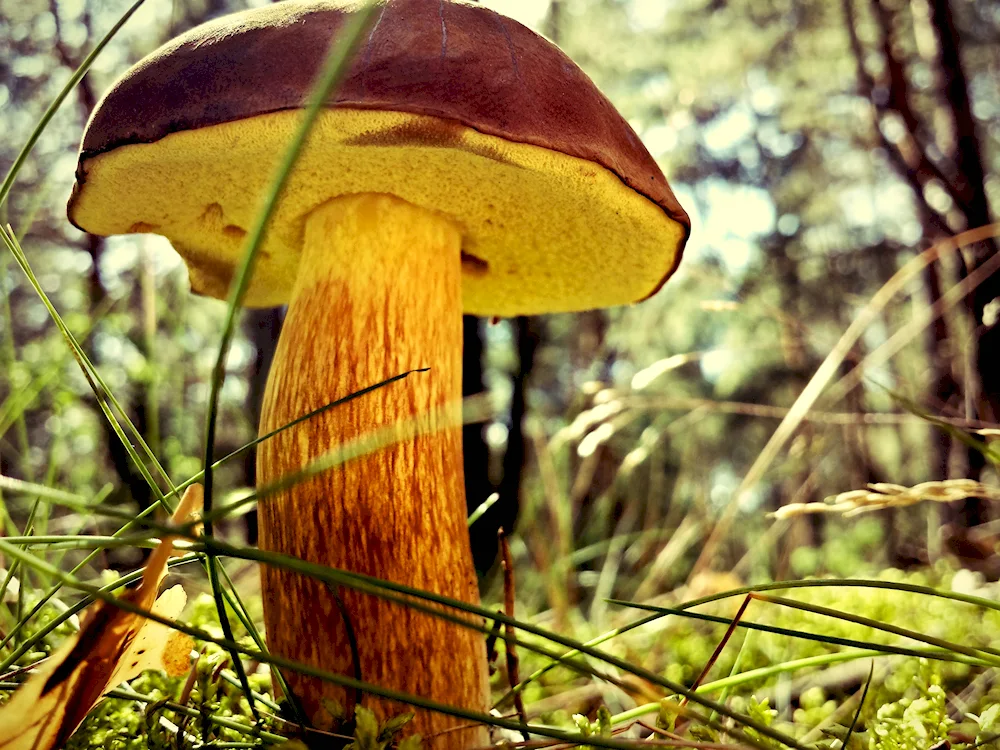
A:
112, 646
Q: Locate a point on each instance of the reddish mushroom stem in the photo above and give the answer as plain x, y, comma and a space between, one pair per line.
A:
378, 292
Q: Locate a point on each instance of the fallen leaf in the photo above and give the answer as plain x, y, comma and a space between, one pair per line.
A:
112, 646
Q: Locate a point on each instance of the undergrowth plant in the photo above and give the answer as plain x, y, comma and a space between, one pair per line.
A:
896, 661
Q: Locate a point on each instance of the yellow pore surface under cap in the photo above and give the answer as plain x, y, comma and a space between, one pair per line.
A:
541, 231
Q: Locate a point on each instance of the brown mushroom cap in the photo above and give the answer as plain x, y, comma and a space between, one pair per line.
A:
447, 105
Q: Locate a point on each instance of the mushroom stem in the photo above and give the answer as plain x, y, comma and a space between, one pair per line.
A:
388, 300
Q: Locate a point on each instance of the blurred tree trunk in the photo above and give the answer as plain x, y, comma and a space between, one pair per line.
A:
944, 386
927, 159
969, 173
262, 329
528, 334
476, 453
970, 196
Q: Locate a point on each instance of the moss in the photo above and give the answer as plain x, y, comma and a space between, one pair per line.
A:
906, 709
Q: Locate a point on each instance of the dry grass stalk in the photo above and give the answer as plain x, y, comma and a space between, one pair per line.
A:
885, 495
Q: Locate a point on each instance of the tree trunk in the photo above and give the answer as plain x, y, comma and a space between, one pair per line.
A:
262, 329
970, 189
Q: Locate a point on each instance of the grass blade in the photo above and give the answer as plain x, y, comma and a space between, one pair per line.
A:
861, 705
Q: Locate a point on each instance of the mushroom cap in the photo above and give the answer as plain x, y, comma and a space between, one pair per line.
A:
447, 105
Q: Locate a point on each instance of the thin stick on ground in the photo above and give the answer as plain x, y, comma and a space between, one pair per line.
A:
722, 644
681, 742
510, 647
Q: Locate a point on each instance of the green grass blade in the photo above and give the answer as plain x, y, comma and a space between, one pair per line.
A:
912, 588
334, 67
378, 587
659, 612
106, 401
105, 398
752, 675
422, 424
937, 654
861, 705
988, 654
298, 420
79, 606
100, 594
388, 589
989, 452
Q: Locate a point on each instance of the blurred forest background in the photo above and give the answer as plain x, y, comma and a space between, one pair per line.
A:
819, 146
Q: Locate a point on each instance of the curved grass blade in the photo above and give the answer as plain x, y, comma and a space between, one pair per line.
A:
105, 399
912, 588
334, 68
861, 705
79, 606
168, 529
958, 648
390, 590
318, 571
81, 541
936, 654
16, 403
378, 587
752, 675
341, 680
298, 420
108, 403
474, 409
988, 451
659, 612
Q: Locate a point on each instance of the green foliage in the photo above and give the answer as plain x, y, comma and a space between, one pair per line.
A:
123, 723
987, 724
754, 110
912, 723
369, 735
599, 727
762, 712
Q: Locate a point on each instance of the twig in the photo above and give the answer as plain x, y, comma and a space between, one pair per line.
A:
681, 742
722, 644
513, 664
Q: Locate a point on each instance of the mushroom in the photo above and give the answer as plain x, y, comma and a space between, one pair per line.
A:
465, 163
